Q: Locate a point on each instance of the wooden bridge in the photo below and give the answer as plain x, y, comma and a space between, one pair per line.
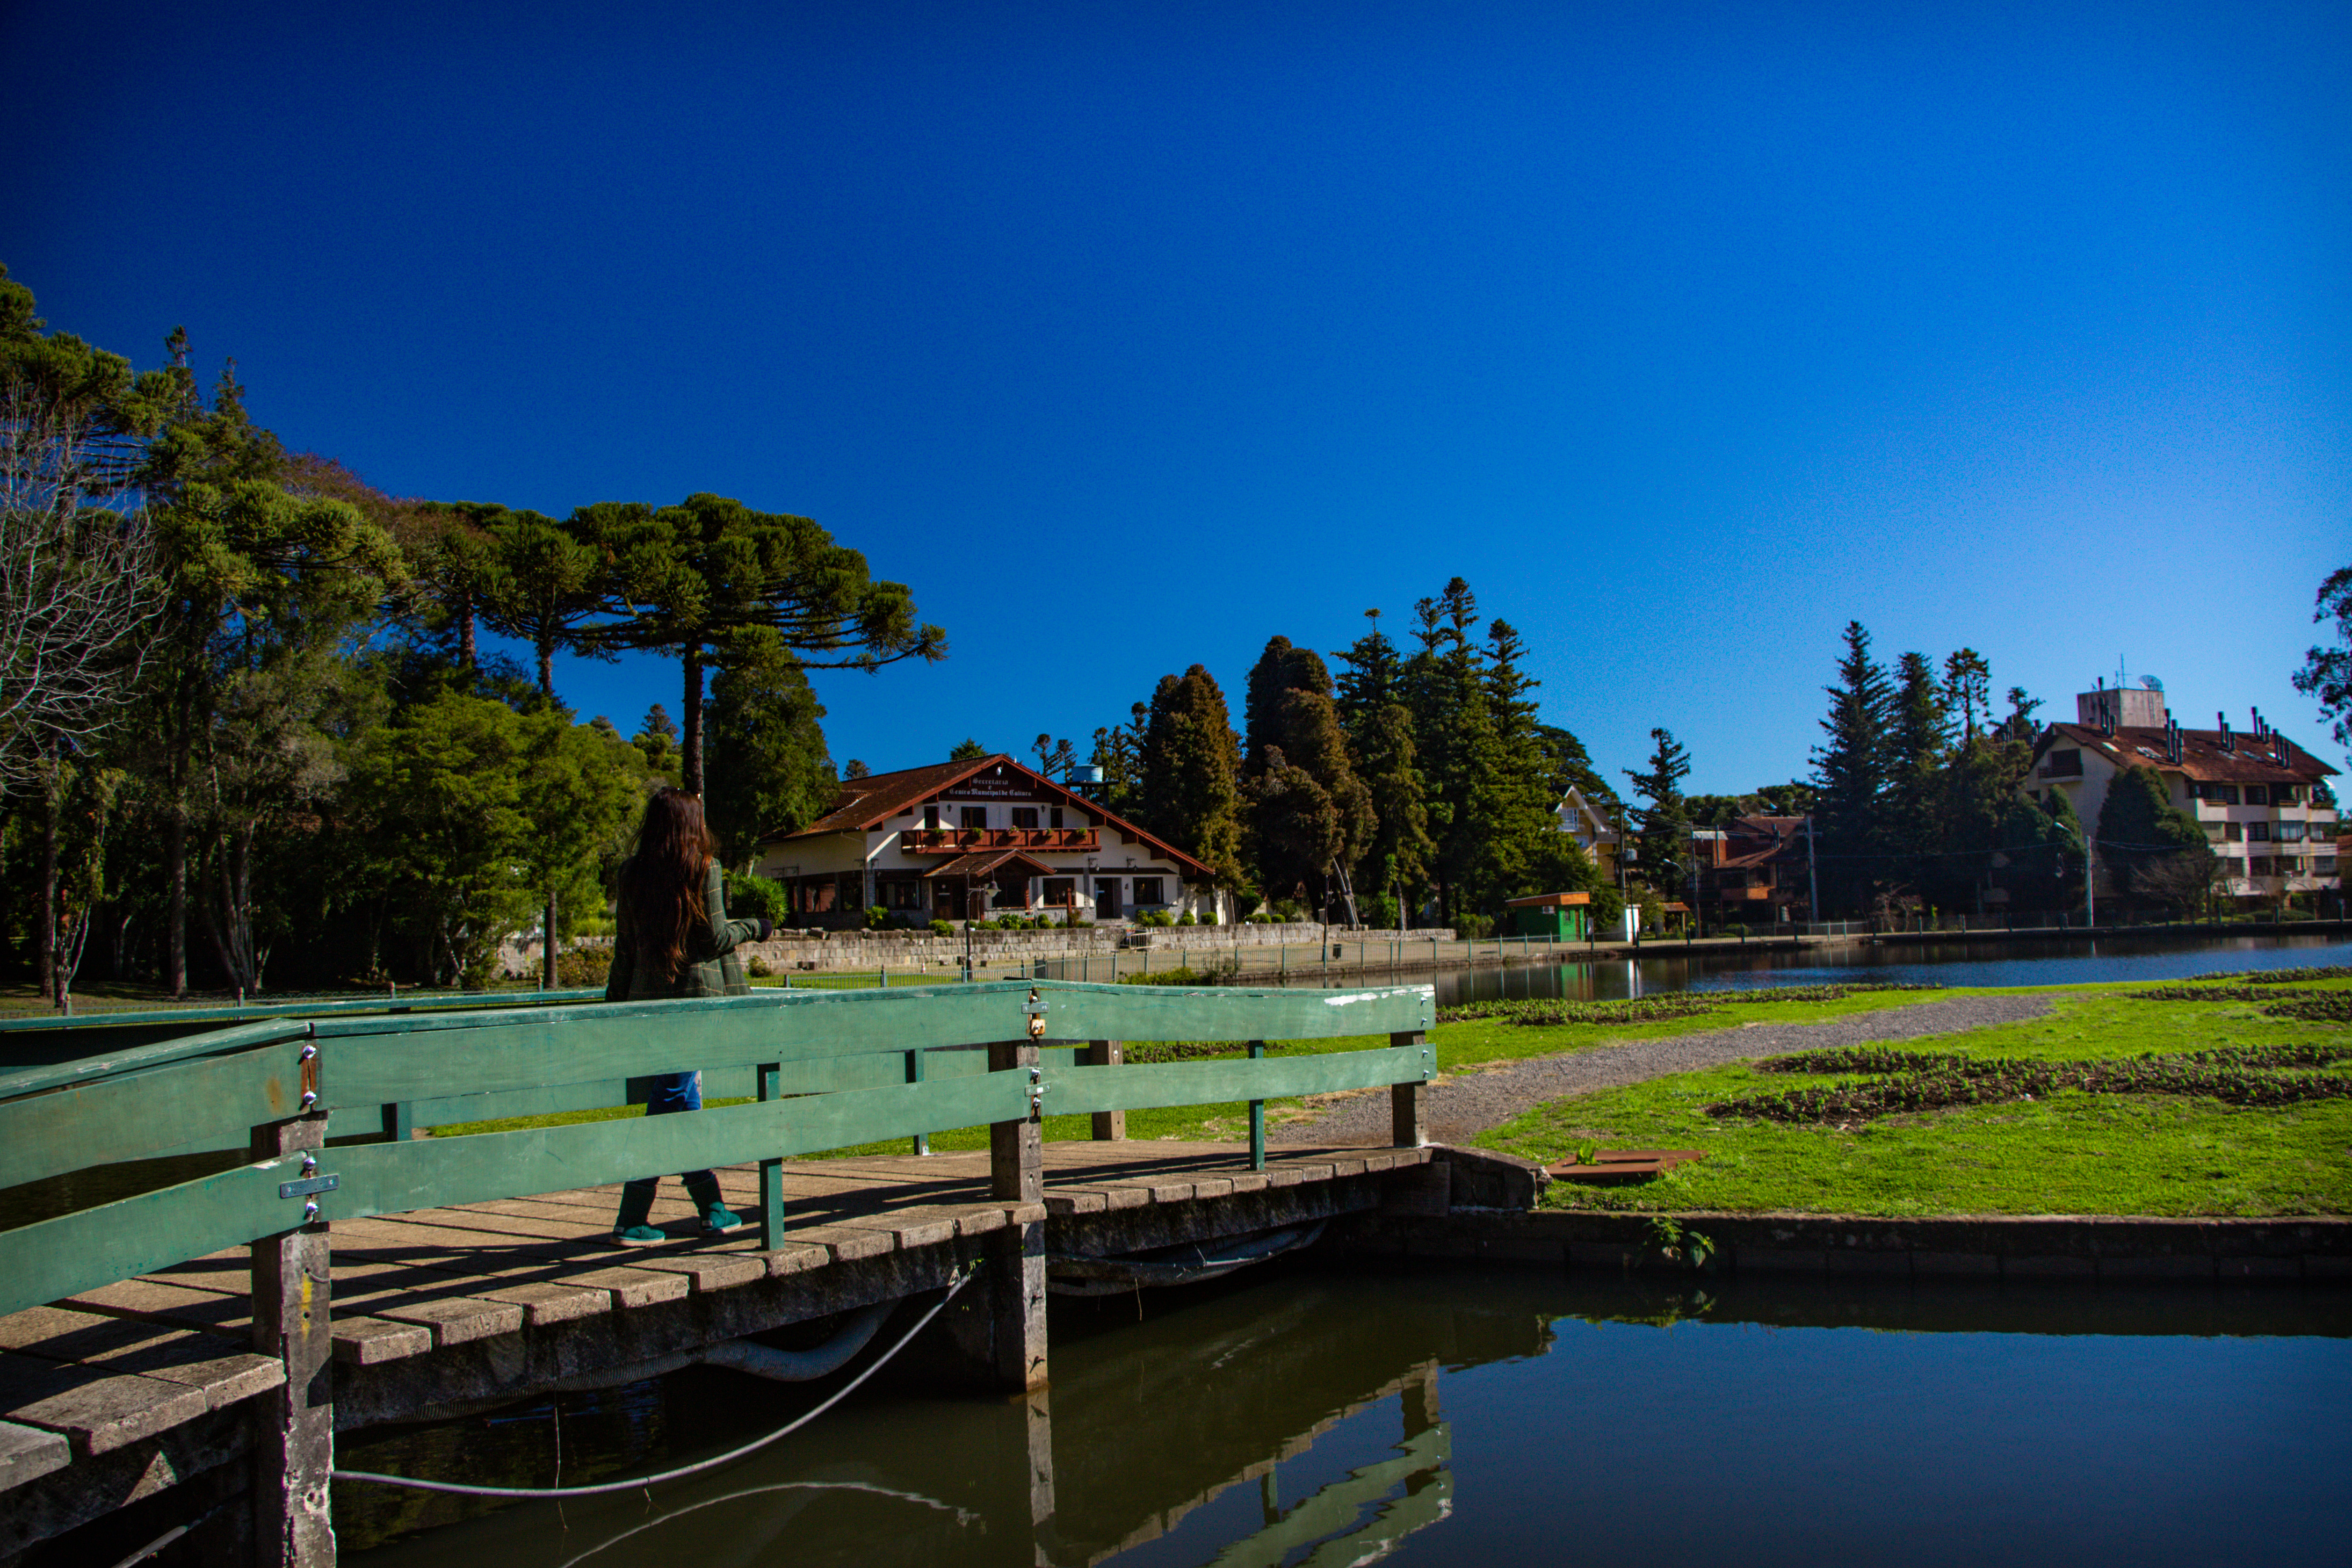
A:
206, 1338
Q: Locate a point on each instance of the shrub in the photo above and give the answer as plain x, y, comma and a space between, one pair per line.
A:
757, 970
1474, 927
1186, 919
877, 919
754, 897
579, 969
943, 928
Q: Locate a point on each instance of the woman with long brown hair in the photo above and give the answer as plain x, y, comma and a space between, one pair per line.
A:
672, 938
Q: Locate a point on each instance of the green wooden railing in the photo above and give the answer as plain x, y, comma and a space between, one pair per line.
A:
830, 1069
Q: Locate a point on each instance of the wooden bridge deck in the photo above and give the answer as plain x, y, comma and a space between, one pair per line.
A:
118, 1367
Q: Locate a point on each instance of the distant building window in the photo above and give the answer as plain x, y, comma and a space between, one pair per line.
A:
975, 816
2233, 832
2260, 865
902, 895
2221, 794
1053, 817
2258, 795
1024, 816
1060, 891
931, 818
2216, 832
2258, 832
1147, 890
2064, 765
2289, 832
2323, 865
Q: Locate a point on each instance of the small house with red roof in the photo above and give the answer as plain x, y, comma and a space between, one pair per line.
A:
982, 837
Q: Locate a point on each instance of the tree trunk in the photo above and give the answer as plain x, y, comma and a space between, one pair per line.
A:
175, 923
691, 725
466, 649
547, 667
53, 786
547, 945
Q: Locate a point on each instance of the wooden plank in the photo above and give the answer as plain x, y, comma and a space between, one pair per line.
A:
181, 1107
223, 1370
385, 1060
108, 1064
100, 1411
27, 1452
371, 1341
1214, 1082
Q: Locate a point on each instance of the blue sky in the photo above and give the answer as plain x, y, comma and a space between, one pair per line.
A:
1130, 335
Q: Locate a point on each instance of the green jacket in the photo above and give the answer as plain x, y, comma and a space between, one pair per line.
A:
712, 969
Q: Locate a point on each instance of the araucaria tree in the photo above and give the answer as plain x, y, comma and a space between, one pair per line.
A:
699, 575
1664, 850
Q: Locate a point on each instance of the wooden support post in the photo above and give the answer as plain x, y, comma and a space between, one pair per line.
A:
1257, 1116
1110, 1126
1404, 1099
915, 1075
1016, 1254
399, 1123
771, 1172
294, 1424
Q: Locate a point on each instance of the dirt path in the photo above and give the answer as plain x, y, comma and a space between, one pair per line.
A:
1469, 1103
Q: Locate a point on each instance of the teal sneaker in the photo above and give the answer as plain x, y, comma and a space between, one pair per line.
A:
638, 1236
719, 1219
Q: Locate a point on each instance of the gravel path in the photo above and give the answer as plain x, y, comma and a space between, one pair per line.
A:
1478, 1098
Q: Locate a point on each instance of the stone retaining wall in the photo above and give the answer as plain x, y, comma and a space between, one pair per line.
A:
2084, 1247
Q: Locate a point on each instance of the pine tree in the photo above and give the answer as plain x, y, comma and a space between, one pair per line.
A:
1453, 732
2142, 832
1119, 752
1190, 767
1517, 784
1850, 769
1916, 747
1307, 810
1368, 681
1397, 860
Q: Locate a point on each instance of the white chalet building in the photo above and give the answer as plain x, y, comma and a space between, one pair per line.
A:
985, 837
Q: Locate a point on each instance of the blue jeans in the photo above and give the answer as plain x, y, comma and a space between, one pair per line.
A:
667, 1093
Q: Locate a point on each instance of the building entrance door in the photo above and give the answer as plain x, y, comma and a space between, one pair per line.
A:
1107, 898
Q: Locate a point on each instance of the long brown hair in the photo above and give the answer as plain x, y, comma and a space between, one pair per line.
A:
661, 897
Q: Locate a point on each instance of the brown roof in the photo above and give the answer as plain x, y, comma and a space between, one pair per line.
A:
2274, 761
1758, 840
979, 862
864, 804
1548, 901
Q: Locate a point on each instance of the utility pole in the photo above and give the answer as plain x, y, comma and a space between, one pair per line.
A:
1812, 873
2091, 876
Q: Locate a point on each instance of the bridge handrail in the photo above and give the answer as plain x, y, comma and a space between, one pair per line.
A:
359, 1062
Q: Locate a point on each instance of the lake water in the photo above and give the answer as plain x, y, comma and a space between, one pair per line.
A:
1989, 963
1335, 1416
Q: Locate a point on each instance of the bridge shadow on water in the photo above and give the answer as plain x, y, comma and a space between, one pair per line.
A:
1301, 1418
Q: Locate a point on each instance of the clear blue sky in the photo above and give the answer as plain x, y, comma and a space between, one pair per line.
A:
1130, 335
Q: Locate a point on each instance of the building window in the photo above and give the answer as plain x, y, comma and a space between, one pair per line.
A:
901, 893
2323, 865
931, 818
1061, 892
2289, 832
1024, 816
2258, 832
1147, 891
1053, 816
2260, 865
2064, 765
2233, 832
2216, 832
2258, 795
2218, 794
975, 816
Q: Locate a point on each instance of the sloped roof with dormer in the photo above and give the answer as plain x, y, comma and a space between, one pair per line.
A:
2272, 759
865, 804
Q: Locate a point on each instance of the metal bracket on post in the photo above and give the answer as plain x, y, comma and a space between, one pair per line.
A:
1036, 1008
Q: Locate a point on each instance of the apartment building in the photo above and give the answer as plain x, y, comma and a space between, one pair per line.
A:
2264, 802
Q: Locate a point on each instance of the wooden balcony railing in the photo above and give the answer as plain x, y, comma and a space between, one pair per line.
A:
965, 841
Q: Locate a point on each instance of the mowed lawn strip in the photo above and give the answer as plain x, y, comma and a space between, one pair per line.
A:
2070, 1154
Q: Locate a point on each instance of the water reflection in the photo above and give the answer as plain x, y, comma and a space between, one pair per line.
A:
1297, 1419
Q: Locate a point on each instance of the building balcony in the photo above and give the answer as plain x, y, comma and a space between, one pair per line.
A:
964, 841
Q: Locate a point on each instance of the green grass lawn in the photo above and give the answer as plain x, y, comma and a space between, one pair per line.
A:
2070, 1154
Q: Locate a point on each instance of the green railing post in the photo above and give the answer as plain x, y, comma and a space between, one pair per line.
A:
771, 1172
1257, 1116
1110, 1126
399, 1123
293, 1425
915, 1075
